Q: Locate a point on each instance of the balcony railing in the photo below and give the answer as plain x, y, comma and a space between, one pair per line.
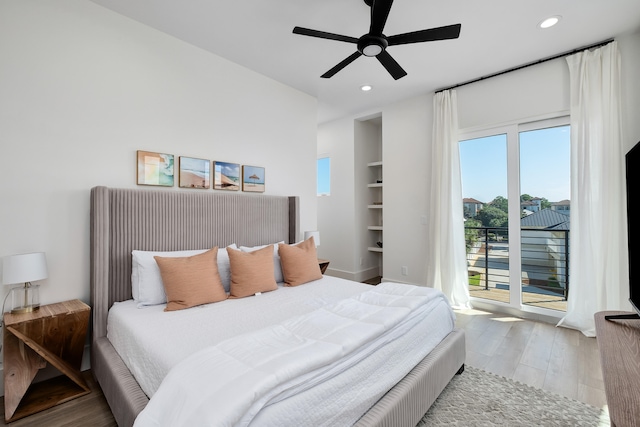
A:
544, 259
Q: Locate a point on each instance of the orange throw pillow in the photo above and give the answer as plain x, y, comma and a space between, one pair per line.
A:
251, 272
299, 262
191, 281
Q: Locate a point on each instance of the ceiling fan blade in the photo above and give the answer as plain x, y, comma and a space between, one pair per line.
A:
341, 65
324, 35
432, 34
391, 65
379, 13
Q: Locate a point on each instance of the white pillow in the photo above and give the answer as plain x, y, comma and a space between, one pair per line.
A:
277, 268
146, 282
224, 266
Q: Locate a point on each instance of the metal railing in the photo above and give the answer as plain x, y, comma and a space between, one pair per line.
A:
544, 259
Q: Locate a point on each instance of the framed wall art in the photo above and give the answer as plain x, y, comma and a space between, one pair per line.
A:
226, 176
253, 179
155, 168
194, 173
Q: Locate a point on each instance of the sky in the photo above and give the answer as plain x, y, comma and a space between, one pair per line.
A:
544, 165
324, 173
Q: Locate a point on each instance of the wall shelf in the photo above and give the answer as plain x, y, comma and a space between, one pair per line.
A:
373, 195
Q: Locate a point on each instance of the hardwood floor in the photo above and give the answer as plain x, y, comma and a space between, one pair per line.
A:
560, 360
89, 410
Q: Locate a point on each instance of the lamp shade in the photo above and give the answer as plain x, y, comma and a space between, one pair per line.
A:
315, 235
24, 268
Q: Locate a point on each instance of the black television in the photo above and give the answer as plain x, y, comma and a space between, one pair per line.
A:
632, 166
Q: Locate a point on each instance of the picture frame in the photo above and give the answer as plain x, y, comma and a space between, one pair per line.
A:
253, 179
154, 168
194, 173
226, 176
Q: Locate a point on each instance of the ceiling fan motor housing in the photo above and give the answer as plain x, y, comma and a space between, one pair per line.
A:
370, 45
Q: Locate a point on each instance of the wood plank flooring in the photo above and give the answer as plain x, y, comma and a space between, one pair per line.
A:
89, 410
560, 360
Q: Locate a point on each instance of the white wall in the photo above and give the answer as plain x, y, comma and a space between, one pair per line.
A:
336, 213
82, 88
530, 92
629, 47
406, 134
406, 128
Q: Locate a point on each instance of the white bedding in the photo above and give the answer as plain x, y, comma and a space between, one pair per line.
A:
151, 341
160, 341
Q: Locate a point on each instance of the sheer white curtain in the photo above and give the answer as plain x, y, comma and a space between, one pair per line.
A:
598, 252
446, 258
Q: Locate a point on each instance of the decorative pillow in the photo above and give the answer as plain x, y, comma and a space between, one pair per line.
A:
277, 269
251, 272
146, 282
299, 262
191, 281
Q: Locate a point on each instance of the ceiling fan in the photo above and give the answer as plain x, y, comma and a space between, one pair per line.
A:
374, 43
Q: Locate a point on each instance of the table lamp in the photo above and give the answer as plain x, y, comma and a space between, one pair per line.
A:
315, 235
24, 269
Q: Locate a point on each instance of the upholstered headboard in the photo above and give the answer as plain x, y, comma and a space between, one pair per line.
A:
126, 219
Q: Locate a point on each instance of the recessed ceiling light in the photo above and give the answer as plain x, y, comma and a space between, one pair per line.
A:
550, 21
366, 88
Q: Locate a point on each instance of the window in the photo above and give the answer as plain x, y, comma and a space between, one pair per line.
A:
324, 176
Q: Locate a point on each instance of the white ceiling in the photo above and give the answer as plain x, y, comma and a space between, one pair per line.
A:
496, 35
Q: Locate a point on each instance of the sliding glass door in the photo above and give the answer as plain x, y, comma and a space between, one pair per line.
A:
516, 186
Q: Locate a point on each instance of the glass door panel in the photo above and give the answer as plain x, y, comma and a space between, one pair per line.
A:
483, 163
545, 187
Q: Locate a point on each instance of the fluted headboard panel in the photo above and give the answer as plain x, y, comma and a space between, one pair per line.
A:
123, 220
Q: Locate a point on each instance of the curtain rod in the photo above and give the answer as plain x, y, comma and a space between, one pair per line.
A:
540, 61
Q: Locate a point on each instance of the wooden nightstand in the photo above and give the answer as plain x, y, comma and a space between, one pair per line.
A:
323, 263
56, 334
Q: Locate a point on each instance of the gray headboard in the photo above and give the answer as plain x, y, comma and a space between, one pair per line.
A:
126, 219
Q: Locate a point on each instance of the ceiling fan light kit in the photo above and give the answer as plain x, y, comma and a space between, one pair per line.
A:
375, 43
369, 45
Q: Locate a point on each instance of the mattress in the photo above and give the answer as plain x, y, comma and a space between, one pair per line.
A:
151, 342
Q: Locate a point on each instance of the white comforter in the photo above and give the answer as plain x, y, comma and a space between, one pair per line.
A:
228, 384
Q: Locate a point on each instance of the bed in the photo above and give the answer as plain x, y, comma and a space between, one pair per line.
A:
123, 220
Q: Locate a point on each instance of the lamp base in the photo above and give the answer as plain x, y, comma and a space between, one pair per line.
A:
27, 309
25, 299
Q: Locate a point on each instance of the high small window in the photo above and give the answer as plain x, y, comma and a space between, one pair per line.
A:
324, 176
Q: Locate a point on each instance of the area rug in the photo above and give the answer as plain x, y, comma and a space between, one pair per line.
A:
479, 398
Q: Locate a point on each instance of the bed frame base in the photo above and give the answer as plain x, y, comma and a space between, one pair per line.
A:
407, 402
403, 405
